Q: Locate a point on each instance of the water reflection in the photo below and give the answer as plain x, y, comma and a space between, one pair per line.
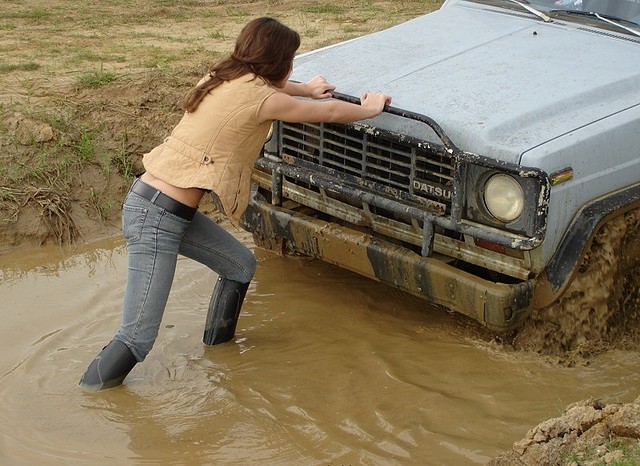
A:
52, 260
327, 368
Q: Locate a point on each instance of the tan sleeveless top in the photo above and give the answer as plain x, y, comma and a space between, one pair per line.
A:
216, 146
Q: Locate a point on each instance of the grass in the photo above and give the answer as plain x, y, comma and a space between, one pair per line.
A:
35, 13
592, 456
6, 68
107, 77
86, 147
100, 204
87, 55
82, 35
323, 8
121, 160
216, 35
238, 12
93, 79
158, 57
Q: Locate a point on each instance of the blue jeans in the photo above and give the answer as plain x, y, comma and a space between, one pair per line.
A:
154, 238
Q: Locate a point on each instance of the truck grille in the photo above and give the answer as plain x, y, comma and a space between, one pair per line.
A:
381, 161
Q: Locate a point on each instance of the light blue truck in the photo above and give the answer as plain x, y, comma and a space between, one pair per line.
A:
511, 147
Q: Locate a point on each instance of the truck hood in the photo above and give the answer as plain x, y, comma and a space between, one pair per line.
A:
497, 81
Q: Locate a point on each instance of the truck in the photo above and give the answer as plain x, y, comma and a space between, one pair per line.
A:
503, 180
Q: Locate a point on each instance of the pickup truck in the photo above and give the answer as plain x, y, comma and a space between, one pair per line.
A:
509, 157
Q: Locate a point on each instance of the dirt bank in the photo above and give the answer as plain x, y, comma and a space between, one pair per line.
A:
588, 433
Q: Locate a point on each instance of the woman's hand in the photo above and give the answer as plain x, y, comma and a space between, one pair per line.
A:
319, 88
375, 101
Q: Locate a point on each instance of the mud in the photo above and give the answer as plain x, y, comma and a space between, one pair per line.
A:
600, 309
326, 368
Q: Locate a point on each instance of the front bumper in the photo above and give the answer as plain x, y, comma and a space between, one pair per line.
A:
498, 306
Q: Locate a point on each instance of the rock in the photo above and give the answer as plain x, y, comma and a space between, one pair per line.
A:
626, 421
28, 131
589, 432
613, 456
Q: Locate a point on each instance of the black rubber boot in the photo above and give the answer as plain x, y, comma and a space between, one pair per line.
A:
109, 368
224, 310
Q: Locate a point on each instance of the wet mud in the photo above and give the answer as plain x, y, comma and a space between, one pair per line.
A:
326, 368
600, 308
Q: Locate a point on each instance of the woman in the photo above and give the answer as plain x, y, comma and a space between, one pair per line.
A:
213, 148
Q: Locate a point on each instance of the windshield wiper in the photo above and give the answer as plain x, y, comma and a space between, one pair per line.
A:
615, 21
531, 9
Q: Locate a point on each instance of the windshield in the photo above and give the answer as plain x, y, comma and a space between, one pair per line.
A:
627, 12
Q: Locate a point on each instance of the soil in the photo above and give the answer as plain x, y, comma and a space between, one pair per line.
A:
86, 90
588, 433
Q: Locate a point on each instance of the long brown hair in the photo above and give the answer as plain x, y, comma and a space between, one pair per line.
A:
265, 47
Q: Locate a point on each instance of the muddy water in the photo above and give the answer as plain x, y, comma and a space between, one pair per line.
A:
327, 369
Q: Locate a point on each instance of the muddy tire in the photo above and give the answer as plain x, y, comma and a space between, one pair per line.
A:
601, 303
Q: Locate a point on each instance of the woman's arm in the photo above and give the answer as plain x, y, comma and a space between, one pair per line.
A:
281, 106
316, 88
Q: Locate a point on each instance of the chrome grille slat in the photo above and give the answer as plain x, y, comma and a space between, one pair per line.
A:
364, 156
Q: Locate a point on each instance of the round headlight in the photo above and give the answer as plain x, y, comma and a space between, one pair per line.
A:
504, 197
